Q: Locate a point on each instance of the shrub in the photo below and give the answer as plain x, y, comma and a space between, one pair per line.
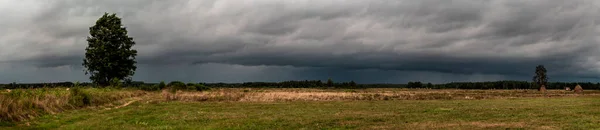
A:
191, 84
197, 87
150, 87
115, 82
79, 98
200, 87
162, 85
77, 84
177, 85
190, 87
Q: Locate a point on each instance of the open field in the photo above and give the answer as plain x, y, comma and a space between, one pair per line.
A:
335, 109
303, 94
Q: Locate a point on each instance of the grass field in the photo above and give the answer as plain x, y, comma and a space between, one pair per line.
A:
337, 109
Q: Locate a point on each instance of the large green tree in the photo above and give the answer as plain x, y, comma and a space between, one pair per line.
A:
540, 77
109, 55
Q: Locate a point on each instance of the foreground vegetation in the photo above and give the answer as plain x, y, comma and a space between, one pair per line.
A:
528, 113
294, 108
24, 104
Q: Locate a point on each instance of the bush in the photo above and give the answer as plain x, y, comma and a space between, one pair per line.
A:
200, 87
190, 87
191, 84
162, 85
77, 84
197, 87
177, 85
115, 82
80, 98
150, 87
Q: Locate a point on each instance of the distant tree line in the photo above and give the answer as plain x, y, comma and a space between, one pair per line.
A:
502, 85
321, 84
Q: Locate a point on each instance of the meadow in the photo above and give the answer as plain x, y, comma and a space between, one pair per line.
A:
299, 108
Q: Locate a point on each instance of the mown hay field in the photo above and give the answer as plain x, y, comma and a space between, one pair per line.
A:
382, 108
303, 94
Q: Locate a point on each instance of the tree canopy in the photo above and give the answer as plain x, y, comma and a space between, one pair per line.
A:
109, 55
330, 82
540, 77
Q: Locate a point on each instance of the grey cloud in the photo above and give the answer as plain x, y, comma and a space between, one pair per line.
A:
463, 37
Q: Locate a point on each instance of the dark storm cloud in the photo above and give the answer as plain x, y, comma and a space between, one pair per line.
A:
496, 38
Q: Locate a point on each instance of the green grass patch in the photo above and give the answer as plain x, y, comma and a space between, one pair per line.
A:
522, 113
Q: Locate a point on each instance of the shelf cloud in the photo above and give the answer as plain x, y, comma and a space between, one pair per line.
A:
369, 41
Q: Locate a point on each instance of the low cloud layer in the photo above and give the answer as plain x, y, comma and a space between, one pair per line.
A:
272, 40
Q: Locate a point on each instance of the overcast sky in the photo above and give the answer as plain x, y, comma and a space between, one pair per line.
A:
368, 41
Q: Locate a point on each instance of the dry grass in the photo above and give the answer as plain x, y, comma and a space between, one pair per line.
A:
293, 108
24, 104
270, 95
521, 113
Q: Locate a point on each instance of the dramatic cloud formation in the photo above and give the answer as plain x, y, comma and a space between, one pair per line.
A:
273, 40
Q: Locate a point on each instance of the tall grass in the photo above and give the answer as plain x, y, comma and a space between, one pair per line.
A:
24, 104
